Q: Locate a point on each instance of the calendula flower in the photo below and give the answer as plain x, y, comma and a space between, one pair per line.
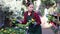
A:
33, 20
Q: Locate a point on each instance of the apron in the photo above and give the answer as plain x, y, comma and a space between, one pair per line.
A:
33, 29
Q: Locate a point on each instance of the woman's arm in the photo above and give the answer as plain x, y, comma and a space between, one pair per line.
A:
25, 18
37, 18
24, 21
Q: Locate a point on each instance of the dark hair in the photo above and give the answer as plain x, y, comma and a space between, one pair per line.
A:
29, 3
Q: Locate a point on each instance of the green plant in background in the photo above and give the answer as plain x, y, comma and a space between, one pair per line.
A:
48, 2
10, 31
42, 11
18, 29
58, 9
7, 15
51, 18
7, 12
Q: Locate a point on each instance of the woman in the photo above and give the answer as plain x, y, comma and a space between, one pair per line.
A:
30, 14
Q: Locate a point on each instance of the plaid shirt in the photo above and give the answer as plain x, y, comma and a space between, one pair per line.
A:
36, 17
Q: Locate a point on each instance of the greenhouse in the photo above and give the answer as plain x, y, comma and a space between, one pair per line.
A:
12, 12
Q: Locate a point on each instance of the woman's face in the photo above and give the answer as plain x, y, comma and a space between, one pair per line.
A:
30, 7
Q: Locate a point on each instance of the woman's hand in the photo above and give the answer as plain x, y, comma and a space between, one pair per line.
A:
19, 21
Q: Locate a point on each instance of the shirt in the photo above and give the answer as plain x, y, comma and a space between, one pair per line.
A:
36, 17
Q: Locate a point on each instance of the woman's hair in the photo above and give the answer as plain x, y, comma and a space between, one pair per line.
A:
29, 3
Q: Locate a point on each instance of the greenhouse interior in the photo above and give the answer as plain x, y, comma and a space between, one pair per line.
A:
12, 12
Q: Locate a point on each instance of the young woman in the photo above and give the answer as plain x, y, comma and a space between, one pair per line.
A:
31, 14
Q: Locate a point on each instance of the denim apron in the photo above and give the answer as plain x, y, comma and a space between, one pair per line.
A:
33, 29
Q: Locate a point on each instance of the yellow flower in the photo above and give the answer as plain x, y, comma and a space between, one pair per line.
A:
33, 20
